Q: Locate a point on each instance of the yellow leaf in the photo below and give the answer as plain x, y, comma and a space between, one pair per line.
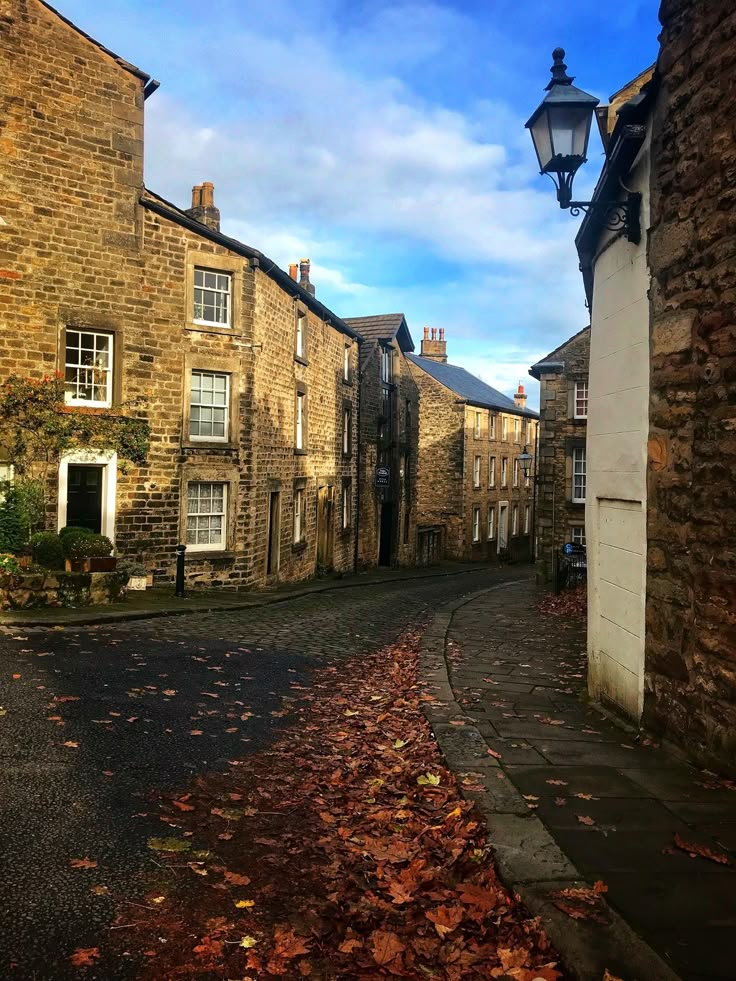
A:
430, 779
244, 903
348, 712
399, 744
248, 942
158, 900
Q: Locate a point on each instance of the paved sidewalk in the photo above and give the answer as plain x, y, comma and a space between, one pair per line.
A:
161, 602
610, 802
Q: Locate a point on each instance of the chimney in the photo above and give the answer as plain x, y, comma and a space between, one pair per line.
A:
293, 266
203, 206
433, 347
304, 267
520, 397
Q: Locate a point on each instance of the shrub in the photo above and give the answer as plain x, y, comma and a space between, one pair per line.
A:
87, 546
132, 569
14, 530
9, 563
47, 550
71, 530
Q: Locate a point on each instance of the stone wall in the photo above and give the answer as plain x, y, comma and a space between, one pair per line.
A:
32, 590
691, 591
559, 433
402, 443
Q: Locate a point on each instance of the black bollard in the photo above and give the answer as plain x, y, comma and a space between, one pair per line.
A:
180, 550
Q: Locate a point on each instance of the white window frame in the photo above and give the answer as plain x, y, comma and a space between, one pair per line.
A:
580, 395
110, 338
491, 522
346, 364
208, 546
517, 430
514, 520
109, 462
491, 426
504, 471
228, 293
577, 535
579, 475
226, 406
527, 518
476, 471
491, 471
476, 524
299, 407
300, 338
387, 374
477, 425
299, 499
347, 422
347, 494
505, 429
515, 473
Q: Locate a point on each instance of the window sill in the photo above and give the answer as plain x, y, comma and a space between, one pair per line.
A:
580, 503
301, 360
299, 547
213, 329
207, 444
208, 555
300, 452
347, 382
347, 456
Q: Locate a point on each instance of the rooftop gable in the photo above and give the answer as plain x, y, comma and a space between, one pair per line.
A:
558, 355
469, 388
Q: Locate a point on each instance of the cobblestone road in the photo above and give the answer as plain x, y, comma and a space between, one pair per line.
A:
93, 720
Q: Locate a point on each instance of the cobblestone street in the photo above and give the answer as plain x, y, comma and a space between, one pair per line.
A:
95, 719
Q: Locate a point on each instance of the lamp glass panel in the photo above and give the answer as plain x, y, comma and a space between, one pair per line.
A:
541, 138
570, 126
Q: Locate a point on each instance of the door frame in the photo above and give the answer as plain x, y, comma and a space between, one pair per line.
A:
503, 518
109, 463
326, 526
273, 539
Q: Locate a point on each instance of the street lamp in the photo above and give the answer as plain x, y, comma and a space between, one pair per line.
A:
560, 130
525, 461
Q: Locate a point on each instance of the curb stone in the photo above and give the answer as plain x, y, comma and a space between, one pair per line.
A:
529, 860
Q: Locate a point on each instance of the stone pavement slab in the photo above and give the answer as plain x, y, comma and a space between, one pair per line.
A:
603, 802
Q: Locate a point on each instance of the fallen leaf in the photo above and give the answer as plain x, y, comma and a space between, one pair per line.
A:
583, 819
349, 945
247, 942
557, 783
702, 851
244, 903
182, 806
287, 944
84, 956
430, 779
169, 844
494, 754
235, 879
385, 946
445, 918
71, 744
82, 863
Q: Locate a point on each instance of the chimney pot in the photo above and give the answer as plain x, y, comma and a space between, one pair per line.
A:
426, 333
433, 347
208, 194
203, 206
434, 333
304, 268
293, 266
442, 333
197, 196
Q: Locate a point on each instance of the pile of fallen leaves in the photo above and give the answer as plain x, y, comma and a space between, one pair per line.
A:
345, 851
568, 603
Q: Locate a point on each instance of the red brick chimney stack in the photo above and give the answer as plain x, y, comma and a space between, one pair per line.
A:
203, 206
293, 266
520, 397
304, 267
433, 347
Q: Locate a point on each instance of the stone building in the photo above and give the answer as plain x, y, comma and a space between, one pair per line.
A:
661, 509
474, 502
248, 379
561, 456
389, 442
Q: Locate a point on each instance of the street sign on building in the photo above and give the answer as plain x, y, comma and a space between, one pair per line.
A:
383, 476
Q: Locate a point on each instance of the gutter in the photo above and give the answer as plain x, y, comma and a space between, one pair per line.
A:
257, 261
546, 367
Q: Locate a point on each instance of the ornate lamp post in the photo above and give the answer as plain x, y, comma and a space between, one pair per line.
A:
560, 130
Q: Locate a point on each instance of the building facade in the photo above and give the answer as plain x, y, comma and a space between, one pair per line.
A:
247, 380
474, 500
561, 454
389, 443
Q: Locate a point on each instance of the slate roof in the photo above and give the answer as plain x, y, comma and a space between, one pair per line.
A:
468, 387
557, 355
380, 327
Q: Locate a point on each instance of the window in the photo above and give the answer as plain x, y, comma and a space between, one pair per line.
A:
476, 472
504, 471
407, 418
476, 524
300, 420
504, 428
300, 341
580, 410
517, 430
491, 471
299, 495
491, 523
527, 516
88, 368
347, 430
477, 425
407, 524
515, 477
578, 475
212, 291
347, 497
206, 504
387, 375
209, 401
578, 535
491, 426
346, 364
515, 519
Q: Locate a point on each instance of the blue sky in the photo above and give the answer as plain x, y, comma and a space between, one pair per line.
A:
385, 140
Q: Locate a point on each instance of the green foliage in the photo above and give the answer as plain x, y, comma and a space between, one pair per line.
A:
68, 530
9, 563
47, 550
87, 546
132, 569
14, 528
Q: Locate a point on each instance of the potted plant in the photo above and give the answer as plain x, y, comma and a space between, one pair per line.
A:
136, 572
88, 553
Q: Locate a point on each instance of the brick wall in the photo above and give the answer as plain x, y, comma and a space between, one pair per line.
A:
690, 685
559, 433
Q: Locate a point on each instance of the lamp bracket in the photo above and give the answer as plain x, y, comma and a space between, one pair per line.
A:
616, 215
